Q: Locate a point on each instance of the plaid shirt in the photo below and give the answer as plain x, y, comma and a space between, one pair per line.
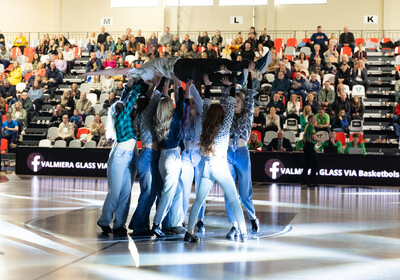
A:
123, 122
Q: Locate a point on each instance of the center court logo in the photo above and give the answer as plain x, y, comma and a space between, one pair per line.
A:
273, 168
34, 160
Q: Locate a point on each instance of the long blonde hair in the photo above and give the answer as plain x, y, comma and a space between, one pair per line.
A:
163, 118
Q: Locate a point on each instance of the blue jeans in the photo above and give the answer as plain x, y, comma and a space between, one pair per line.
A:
190, 169
170, 195
11, 135
396, 125
147, 169
216, 169
120, 175
240, 168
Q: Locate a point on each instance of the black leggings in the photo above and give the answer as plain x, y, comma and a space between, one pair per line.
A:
310, 161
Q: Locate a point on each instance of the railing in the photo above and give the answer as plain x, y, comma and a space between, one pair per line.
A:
227, 35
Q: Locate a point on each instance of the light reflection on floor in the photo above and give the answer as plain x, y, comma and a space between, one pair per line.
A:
49, 232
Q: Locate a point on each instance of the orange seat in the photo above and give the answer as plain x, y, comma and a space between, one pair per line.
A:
27, 76
340, 136
361, 137
201, 49
55, 57
374, 40
397, 50
346, 51
82, 130
359, 40
3, 146
162, 49
216, 50
290, 57
28, 51
397, 67
15, 52
258, 135
278, 43
78, 52
291, 42
3, 118
306, 40
6, 107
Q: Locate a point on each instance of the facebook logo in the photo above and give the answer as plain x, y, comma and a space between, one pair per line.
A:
34, 161
273, 168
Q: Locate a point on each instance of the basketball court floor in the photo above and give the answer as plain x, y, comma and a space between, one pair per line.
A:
48, 231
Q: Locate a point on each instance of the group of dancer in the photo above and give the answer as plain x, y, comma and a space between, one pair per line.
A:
190, 140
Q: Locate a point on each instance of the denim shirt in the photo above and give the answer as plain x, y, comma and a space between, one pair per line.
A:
193, 129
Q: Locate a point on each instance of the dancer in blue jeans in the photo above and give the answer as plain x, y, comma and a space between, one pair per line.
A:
169, 132
147, 164
121, 163
214, 140
239, 157
191, 155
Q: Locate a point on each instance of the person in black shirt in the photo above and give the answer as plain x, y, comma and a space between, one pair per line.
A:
247, 53
102, 38
258, 121
140, 38
346, 39
210, 52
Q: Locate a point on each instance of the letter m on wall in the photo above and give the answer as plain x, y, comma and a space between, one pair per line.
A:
106, 21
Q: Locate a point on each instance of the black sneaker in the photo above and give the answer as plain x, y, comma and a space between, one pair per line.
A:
121, 231
191, 238
144, 233
233, 233
200, 226
255, 226
157, 231
105, 229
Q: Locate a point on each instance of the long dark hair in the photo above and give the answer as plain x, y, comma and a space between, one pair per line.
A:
211, 125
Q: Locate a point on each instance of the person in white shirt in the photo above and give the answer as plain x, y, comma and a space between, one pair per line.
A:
69, 57
107, 84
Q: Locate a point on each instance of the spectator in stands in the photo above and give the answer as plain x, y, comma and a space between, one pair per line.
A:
396, 120
317, 53
94, 64
317, 68
239, 39
21, 42
91, 42
61, 64
152, 42
54, 79
323, 120
280, 144
189, 43
84, 106
5, 57
120, 48
203, 39
293, 108
27, 105
320, 38
35, 61
9, 130
102, 37
97, 129
282, 68
2, 40
132, 47
272, 122
42, 48
252, 41
260, 51
341, 122
314, 86
299, 86
359, 76
304, 117
118, 89
52, 48
194, 52
333, 40
107, 85
303, 63
217, 40
211, 53
69, 57
343, 75
357, 108
120, 63
331, 55
109, 44
356, 143
342, 103
107, 104
66, 130
326, 97
346, 39
330, 68
247, 53
110, 62
36, 95
57, 115
331, 145
279, 106
20, 116
140, 38
67, 102
168, 51
61, 40
176, 45
76, 119
265, 39
2, 105
226, 52
128, 32
95, 85
15, 76
26, 67
8, 92
254, 144
166, 38
281, 85
74, 91
183, 52
40, 71
234, 47
360, 54
102, 53
274, 64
